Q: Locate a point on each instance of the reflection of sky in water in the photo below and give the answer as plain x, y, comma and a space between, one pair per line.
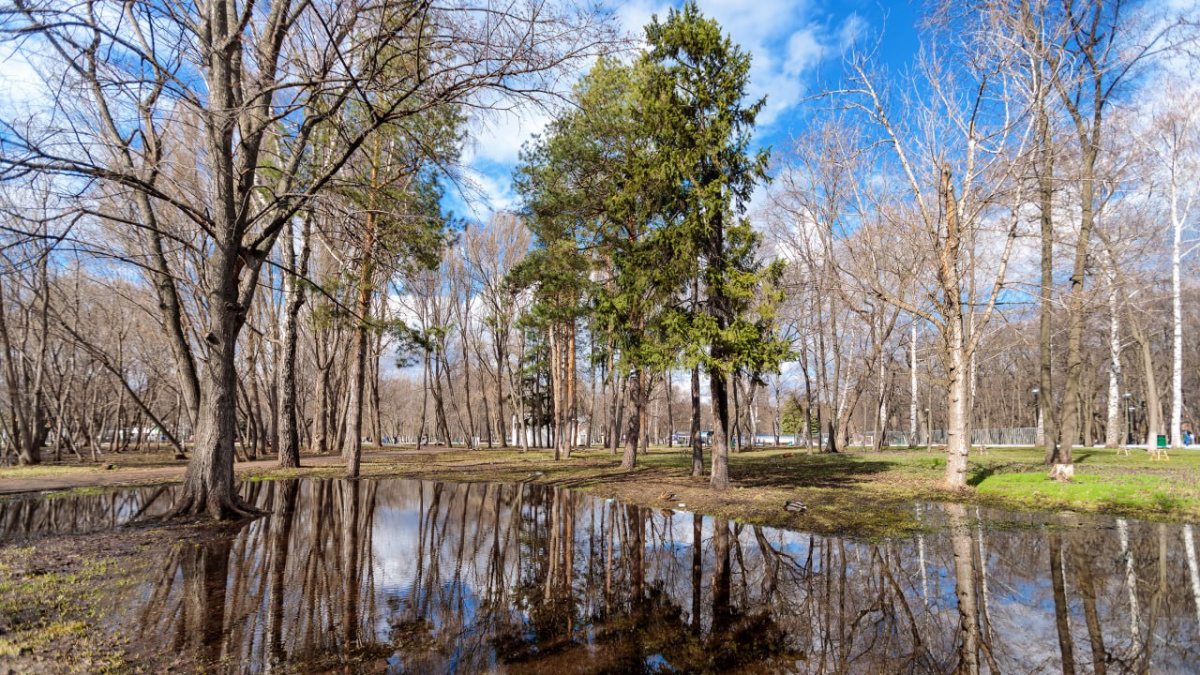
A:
778, 573
1020, 608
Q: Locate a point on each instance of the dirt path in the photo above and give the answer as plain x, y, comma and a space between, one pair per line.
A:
66, 477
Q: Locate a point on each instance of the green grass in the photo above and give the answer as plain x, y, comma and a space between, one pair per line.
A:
46, 611
45, 471
1090, 491
855, 492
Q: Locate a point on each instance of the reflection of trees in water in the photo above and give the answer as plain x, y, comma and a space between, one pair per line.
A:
270, 593
71, 513
528, 578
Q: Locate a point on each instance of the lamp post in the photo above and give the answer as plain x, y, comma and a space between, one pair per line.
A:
928, 431
1039, 433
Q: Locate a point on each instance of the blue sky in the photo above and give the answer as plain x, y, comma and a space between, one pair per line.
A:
796, 45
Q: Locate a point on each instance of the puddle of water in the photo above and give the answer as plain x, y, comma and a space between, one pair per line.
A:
404, 576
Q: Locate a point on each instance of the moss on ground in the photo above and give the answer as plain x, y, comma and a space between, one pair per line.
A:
52, 602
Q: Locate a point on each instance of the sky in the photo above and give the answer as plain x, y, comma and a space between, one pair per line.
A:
795, 46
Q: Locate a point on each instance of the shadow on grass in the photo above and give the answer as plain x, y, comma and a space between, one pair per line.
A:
746, 470
980, 475
819, 471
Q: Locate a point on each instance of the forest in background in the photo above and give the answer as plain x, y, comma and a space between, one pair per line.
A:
227, 233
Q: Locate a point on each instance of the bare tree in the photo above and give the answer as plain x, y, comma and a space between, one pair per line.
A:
254, 84
959, 167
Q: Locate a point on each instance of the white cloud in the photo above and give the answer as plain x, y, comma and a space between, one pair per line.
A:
803, 51
484, 189
787, 41
853, 28
500, 136
21, 85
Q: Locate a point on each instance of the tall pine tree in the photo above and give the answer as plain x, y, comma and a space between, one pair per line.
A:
693, 87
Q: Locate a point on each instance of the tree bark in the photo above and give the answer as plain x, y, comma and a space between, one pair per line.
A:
352, 448
289, 437
632, 434
208, 482
958, 344
1046, 413
1112, 430
1177, 221
696, 438
718, 388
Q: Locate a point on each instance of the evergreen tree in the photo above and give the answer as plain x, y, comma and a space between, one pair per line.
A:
647, 180
693, 88
592, 194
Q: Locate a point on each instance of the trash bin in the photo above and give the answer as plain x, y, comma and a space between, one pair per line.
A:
1162, 441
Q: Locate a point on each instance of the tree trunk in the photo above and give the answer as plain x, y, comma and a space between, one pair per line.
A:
1046, 414
632, 435
735, 430
1177, 221
958, 410
958, 344
208, 483
1152, 402
719, 391
670, 385
424, 397
1112, 430
320, 435
697, 440
289, 438
1069, 420
352, 448
643, 426
572, 394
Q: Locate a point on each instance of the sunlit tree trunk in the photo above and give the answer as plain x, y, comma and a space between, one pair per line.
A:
352, 450
289, 438
1112, 430
1177, 222
719, 392
637, 397
958, 351
912, 372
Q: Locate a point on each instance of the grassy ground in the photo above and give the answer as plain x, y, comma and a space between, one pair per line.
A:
56, 592
858, 493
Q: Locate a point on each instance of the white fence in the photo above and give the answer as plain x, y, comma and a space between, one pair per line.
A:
1021, 436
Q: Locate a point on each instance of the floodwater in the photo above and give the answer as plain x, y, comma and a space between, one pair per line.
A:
405, 576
